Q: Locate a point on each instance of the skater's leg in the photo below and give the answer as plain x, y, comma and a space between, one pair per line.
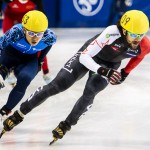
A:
71, 72
94, 85
62, 82
25, 74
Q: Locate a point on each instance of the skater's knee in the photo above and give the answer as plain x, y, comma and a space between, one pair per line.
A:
24, 79
58, 86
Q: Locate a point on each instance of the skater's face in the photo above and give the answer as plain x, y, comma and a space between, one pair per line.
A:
32, 37
133, 39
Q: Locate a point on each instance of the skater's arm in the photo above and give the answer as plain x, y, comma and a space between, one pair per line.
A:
44, 53
135, 61
96, 46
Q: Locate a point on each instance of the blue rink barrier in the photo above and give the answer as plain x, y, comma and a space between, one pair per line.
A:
84, 13
88, 13
142, 5
51, 8
125, 5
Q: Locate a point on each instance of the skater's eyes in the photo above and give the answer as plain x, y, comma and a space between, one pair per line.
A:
135, 35
32, 34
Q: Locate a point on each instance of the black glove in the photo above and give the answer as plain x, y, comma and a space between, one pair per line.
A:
123, 76
112, 75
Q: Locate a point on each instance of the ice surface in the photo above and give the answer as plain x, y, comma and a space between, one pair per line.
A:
118, 120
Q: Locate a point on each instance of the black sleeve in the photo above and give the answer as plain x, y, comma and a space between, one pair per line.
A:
44, 53
39, 4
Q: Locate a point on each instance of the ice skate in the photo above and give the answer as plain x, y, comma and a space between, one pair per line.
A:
11, 122
4, 113
60, 131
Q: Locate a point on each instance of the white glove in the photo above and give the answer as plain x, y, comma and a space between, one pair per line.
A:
1, 82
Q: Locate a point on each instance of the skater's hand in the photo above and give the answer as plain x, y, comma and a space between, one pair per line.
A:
123, 76
113, 75
1, 82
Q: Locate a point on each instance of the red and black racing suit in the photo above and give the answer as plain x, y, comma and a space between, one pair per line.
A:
107, 49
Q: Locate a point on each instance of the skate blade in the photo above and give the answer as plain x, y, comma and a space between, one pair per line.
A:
3, 131
54, 140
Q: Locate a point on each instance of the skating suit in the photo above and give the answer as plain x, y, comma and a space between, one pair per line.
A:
17, 54
107, 49
13, 14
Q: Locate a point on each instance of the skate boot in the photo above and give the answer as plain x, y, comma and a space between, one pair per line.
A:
60, 131
11, 122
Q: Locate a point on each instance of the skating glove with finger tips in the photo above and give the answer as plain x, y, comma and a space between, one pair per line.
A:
113, 75
123, 76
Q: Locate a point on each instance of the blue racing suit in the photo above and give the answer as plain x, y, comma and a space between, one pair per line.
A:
18, 55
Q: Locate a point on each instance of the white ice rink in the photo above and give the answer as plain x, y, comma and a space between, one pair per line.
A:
118, 120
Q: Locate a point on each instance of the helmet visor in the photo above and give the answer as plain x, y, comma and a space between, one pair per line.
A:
133, 35
32, 34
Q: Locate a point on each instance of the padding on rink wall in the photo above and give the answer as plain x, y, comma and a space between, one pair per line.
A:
84, 13
91, 13
142, 5
51, 8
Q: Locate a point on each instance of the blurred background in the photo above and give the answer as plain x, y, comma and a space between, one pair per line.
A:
88, 13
